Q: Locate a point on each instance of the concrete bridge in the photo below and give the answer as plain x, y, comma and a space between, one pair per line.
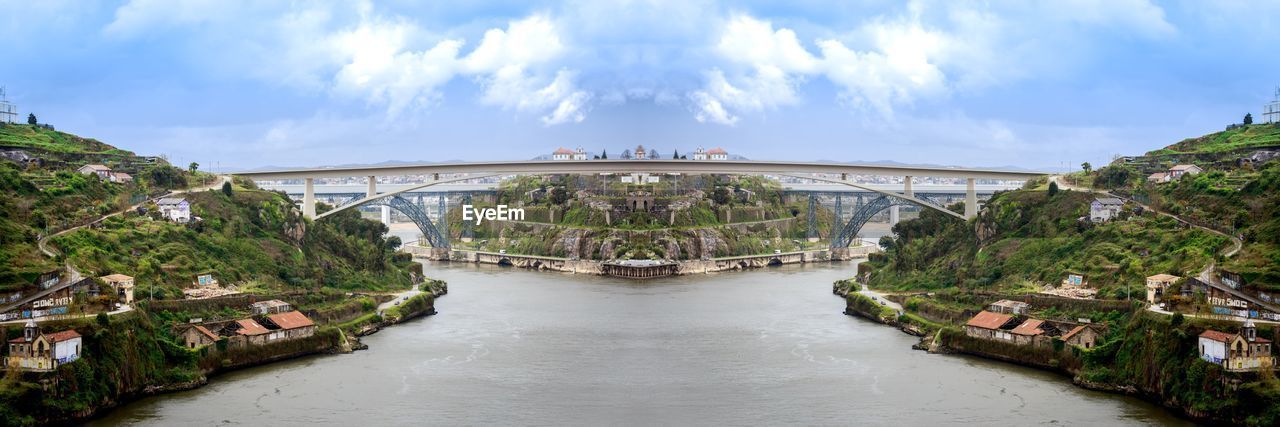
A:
462, 172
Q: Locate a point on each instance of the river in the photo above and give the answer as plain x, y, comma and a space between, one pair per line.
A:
762, 347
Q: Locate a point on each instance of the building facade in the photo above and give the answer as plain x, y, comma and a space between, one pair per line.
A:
175, 209
38, 351
1105, 209
1237, 352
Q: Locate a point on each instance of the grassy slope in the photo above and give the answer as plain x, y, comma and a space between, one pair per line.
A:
1234, 198
1027, 238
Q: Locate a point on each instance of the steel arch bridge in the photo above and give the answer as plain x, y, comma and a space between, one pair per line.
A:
864, 212
433, 234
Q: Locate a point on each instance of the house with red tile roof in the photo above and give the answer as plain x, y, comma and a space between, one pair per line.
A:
38, 351
1240, 352
194, 336
290, 325
1084, 336
990, 326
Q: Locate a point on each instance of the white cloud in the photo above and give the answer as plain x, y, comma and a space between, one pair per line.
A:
929, 49
392, 62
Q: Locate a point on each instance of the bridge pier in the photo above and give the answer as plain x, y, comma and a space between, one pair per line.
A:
970, 200
309, 199
373, 187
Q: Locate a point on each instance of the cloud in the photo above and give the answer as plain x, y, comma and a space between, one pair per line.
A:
928, 49
389, 61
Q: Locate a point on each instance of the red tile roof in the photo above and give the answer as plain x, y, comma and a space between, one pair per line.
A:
250, 327
1073, 332
988, 320
1029, 327
18, 340
563, 150
62, 336
290, 320
206, 332
1218, 336
717, 150
1261, 340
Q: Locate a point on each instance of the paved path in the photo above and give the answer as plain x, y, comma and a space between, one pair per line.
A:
879, 298
399, 298
1155, 309
43, 245
123, 309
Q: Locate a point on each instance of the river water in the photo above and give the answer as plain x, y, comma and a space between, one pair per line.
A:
762, 347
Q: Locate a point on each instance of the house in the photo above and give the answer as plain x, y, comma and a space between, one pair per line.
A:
175, 209
1009, 307
717, 154
253, 333
120, 177
1179, 170
290, 325
194, 336
1105, 208
562, 154
1158, 177
1033, 332
1237, 352
37, 351
103, 172
262, 308
580, 154
700, 154
1157, 285
990, 326
123, 286
1084, 336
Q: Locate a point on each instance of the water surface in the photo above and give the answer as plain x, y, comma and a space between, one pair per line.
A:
762, 347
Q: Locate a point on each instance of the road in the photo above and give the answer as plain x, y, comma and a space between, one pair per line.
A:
1205, 275
74, 276
400, 298
123, 309
43, 243
880, 298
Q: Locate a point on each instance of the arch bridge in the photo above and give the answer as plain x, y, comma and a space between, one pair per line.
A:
821, 172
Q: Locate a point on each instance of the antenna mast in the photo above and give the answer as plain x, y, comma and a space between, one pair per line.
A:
8, 111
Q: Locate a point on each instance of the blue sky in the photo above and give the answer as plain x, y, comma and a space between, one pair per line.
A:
236, 84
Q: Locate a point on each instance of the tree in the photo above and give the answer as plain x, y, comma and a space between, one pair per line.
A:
886, 243
1053, 188
559, 195
675, 155
103, 320
604, 154
31, 119
1248, 118
226, 188
393, 243
193, 166
720, 195
1086, 166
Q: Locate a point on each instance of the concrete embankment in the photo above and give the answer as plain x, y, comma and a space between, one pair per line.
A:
580, 266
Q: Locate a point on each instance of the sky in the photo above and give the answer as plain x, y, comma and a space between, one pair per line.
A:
236, 84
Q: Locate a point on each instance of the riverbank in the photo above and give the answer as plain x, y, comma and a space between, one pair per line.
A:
596, 267
766, 346
136, 355
1146, 356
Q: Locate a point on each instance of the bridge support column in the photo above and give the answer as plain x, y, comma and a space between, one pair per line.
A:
309, 199
894, 214
970, 200
373, 187
385, 215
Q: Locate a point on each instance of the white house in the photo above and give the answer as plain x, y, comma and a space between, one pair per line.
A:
123, 286
700, 154
37, 351
562, 154
1180, 170
1237, 352
101, 171
1104, 209
718, 154
175, 209
580, 154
